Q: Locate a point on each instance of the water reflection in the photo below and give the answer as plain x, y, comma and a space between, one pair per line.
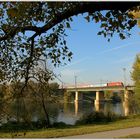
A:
99, 106
76, 104
75, 110
126, 108
69, 112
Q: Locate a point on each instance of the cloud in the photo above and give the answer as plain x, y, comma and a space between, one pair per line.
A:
76, 62
126, 59
117, 48
103, 52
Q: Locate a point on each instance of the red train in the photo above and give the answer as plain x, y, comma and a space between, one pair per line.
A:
112, 84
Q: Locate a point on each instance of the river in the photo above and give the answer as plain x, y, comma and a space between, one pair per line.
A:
70, 112
66, 112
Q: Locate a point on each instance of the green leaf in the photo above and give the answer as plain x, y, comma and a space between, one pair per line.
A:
12, 12
103, 25
68, 25
22, 50
87, 18
122, 36
99, 33
96, 19
70, 54
108, 15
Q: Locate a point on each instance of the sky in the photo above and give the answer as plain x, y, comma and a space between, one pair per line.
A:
95, 60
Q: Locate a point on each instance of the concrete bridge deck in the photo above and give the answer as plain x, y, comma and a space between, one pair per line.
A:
106, 88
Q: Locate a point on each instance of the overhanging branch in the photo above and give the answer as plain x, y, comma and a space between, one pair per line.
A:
77, 8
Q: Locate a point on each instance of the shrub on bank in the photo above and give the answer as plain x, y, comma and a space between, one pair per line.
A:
98, 118
60, 125
22, 126
14, 126
92, 118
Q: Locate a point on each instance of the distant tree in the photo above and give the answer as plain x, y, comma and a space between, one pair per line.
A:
108, 94
35, 31
136, 78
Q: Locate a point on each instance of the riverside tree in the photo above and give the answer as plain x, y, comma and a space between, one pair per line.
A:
35, 31
136, 78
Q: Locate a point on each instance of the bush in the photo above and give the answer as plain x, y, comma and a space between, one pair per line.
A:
98, 118
39, 124
116, 99
59, 124
21, 126
13, 126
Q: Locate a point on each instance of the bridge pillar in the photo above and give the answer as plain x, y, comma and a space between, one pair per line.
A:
78, 96
99, 97
99, 106
128, 95
126, 108
78, 99
99, 100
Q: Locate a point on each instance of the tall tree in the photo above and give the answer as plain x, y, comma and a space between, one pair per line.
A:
42, 92
136, 78
34, 31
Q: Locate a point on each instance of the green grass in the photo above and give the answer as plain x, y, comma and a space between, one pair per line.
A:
132, 136
75, 130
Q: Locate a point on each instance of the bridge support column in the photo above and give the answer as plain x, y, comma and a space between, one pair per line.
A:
99, 106
99, 101
128, 95
77, 101
126, 108
78, 96
99, 97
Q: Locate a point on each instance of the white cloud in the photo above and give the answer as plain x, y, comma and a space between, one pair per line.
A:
126, 59
119, 47
103, 52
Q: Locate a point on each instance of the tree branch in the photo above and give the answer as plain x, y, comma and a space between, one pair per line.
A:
15, 30
86, 7
77, 8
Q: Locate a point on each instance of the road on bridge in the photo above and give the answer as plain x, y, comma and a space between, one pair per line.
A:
107, 134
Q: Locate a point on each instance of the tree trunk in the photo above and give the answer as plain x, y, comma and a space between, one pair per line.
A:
45, 111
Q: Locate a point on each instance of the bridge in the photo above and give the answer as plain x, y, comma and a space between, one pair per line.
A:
128, 91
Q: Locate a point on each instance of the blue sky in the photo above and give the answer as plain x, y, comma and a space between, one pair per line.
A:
94, 58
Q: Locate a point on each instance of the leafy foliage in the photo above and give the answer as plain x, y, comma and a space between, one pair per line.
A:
99, 118
136, 78
33, 32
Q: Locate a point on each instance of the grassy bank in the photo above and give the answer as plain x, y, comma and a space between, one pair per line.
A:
74, 130
133, 136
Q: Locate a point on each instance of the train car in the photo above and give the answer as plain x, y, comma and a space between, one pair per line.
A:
100, 85
112, 84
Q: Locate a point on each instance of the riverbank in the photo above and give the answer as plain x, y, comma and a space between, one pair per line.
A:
132, 136
132, 121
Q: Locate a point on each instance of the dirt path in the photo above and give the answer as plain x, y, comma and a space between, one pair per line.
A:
108, 134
